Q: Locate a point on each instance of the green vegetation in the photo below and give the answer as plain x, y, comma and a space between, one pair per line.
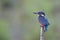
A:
30, 22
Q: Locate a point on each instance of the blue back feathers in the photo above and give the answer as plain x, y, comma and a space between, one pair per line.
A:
43, 20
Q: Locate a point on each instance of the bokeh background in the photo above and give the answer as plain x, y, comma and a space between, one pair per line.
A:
17, 21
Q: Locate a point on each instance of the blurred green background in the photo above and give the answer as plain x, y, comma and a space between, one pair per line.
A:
17, 21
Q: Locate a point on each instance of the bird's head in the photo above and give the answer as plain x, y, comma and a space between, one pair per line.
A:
40, 13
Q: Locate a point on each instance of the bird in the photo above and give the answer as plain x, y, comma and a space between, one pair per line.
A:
43, 20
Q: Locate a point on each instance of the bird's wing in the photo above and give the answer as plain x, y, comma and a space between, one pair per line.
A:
43, 21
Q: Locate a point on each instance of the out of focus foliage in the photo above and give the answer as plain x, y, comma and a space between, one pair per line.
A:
30, 22
3, 30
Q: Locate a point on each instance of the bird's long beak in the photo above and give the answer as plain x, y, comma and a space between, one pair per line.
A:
35, 13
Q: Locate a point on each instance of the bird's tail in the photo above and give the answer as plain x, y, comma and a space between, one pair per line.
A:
46, 28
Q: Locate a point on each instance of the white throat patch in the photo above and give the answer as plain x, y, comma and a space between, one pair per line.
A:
42, 15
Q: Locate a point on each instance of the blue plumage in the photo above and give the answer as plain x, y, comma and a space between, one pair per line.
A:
43, 20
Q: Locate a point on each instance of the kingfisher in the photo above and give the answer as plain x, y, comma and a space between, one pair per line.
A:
43, 20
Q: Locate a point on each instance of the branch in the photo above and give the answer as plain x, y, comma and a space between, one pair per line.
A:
42, 33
